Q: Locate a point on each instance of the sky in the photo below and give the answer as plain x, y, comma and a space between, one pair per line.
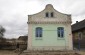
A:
14, 13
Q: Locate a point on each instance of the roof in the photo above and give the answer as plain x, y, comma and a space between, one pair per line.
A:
23, 38
78, 25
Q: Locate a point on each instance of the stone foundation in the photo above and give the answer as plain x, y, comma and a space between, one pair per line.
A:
48, 52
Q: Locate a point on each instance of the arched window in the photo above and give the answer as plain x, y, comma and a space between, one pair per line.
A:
38, 32
52, 14
46, 14
60, 31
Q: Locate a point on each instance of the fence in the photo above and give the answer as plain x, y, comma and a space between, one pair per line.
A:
12, 46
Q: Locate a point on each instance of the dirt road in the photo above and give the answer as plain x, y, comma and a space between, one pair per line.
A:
8, 52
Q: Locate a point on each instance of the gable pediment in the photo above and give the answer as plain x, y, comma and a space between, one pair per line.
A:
57, 16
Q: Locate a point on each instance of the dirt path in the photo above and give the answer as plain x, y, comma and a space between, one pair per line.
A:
7, 52
82, 52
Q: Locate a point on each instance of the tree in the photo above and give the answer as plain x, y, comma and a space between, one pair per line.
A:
2, 31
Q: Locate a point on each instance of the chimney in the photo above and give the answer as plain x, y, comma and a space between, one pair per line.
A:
76, 21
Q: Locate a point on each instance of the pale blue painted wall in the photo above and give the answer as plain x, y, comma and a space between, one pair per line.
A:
49, 37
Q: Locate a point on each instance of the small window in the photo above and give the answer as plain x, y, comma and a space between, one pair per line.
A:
60, 32
38, 32
52, 14
80, 35
47, 14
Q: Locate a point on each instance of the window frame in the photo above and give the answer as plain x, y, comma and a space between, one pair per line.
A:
60, 32
38, 32
52, 14
47, 14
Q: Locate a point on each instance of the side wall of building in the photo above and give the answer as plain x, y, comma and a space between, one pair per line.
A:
76, 34
79, 39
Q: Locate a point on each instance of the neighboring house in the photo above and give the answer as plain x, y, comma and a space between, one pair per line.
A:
49, 30
11, 40
78, 31
23, 38
22, 42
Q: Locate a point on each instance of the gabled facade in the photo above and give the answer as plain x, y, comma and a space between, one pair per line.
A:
49, 30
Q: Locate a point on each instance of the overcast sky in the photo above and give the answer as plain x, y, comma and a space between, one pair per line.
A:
13, 13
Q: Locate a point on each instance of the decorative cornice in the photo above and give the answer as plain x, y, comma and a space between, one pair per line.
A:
50, 22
